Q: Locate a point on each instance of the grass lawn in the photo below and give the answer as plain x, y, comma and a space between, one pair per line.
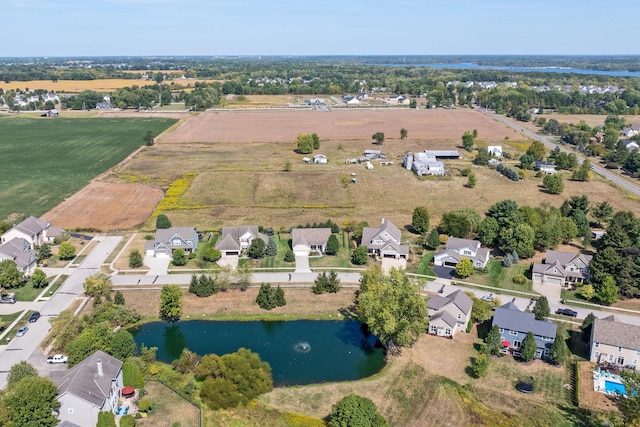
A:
26, 292
168, 408
500, 277
48, 160
425, 265
6, 319
54, 286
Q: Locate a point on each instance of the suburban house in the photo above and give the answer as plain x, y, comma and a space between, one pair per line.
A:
53, 233
19, 251
397, 100
234, 240
51, 113
631, 144
545, 167
384, 241
169, 239
91, 386
448, 314
495, 150
32, 229
457, 248
615, 342
562, 269
514, 325
305, 240
631, 131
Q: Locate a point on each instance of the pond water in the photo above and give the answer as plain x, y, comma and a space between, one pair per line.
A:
299, 352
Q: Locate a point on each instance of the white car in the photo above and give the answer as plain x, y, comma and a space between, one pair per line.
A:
22, 331
58, 358
488, 297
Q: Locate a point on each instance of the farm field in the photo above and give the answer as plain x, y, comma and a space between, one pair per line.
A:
47, 160
238, 161
77, 86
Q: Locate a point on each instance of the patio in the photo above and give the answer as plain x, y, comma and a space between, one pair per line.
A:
126, 405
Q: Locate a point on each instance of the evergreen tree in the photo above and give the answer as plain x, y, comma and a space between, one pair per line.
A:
493, 340
179, 257
420, 220
279, 297
272, 248
559, 351
289, 256
266, 298
480, 365
162, 222
541, 308
118, 299
44, 251
433, 241
360, 256
507, 261
135, 259
355, 411
529, 347
257, 248
333, 245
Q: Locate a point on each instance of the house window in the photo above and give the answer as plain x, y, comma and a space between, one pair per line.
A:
433, 328
619, 349
611, 358
637, 352
176, 242
501, 330
620, 360
514, 333
546, 352
459, 316
634, 362
597, 344
596, 354
466, 252
502, 338
517, 344
447, 331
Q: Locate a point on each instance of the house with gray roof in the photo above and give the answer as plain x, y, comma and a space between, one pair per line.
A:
19, 251
236, 239
305, 240
457, 248
91, 386
384, 241
449, 314
514, 325
561, 269
169, 239
54, 232
615, 342
32, 229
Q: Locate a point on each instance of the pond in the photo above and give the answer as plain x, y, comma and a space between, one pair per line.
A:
299, 352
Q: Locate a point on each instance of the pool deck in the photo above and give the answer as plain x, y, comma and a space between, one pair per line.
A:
599, 378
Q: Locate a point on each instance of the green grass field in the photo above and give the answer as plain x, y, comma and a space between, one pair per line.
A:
46, 160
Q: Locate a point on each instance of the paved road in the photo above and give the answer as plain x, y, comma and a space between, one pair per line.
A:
632, 186
26, 347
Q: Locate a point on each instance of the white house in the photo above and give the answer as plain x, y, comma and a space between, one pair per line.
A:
545, 167
32, 229
456, 249
305, 240
19, 251
320, 159
495, 150
88, 388
631, 131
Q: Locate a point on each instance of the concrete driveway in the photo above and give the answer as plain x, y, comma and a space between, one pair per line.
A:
389, 263
228, 260
158, 266
302, 263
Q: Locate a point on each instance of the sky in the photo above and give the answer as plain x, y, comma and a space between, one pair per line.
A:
318, 27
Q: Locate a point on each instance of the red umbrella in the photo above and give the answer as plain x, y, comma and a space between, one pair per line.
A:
128, 390
506, 343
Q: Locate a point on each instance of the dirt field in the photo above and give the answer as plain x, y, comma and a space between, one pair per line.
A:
76, 86
589, 398
106, 206
284, 126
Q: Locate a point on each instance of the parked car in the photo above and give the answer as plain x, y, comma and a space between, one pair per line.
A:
23, 330
58, 358
488, 297
34, 317
567, 312
7, 300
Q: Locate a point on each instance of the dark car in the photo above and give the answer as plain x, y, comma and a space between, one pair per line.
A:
34, 317
567, 312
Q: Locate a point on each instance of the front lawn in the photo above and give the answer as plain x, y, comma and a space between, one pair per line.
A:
497, 276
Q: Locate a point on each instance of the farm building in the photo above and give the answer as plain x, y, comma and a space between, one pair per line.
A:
423, 164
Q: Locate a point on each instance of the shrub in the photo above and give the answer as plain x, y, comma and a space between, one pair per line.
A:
127, 421
289, 256
131, 375
211, 254
144, 405
519, 279
163, 222
135, 259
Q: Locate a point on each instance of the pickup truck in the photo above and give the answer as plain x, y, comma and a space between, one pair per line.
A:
58, 358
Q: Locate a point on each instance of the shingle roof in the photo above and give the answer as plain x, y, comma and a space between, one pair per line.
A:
370, 233
32, 226
446, 318
20, 251
613, 332
84, 382
510, 317
67, 424
458, 298
165, 235
310, 236
456, 243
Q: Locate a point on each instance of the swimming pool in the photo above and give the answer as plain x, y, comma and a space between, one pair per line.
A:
613, 387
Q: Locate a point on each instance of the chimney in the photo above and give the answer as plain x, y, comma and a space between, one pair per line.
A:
100, 371
382, 221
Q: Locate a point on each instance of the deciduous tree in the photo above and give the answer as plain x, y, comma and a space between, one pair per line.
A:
32, 401
537, 150
464, 268
19, 371
135, 259
420, 220
355, 411
66, 251
97, 284
467, 141
162, 222
403, 133
39, 279
480, 365
553, 183
257, 248
178, 257
360, 256
171, 303
392, 306
378, 138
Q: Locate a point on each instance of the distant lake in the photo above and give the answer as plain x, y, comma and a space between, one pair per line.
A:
473, 66
299, 352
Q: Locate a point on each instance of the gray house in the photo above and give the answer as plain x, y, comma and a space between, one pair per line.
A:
615, 343
91, 386
457, 248
19, 251
32, 229
448, 314
384, 241
169, 239
514, 325
562, 269
305, 240
234, 240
